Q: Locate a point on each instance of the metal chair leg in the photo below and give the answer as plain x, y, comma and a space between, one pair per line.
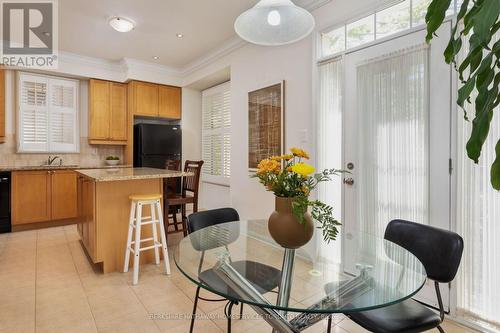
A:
329, 329
193, 317
441, 329
241, 311
228, 315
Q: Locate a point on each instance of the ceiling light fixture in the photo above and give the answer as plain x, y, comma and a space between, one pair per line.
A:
121, 24
274, 22
179, 35
156, 57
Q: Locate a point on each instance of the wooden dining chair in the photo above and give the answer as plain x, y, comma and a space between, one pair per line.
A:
189, 195
440, 251
171, 187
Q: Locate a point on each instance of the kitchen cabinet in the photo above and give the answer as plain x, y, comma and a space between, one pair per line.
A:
169, 102
2, 105
155, 100
63, 194
30, 197
146, 99
87, 227
41, 196
107, 112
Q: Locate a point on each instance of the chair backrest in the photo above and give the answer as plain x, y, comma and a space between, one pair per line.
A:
204, 219
192, 183
171, 185
207, 218
439, 250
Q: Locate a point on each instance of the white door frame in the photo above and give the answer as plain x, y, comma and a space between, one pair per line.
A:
440, 200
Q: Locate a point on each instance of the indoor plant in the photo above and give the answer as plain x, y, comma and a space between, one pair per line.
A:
112, 160
476, 24
291, 180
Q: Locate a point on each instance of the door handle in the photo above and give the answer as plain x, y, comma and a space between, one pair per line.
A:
348, 181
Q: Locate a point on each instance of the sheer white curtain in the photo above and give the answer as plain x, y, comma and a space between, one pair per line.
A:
329, 143
393, 139
478, 222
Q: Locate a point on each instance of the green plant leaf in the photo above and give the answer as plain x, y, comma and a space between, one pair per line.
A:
435, 16
465, 91
484, 113
495, 168
486, 17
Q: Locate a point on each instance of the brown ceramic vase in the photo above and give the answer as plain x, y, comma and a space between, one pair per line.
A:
286, 229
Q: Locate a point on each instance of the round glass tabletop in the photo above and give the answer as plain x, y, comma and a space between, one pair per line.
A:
240, 261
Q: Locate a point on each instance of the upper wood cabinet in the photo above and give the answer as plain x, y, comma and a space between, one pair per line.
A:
118, 123
2, 105
155, 100
107, 112
146, 99
169, 102
40, 196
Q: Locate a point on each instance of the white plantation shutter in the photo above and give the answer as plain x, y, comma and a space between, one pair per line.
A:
216, 134
48, 114
33, 113
63, 115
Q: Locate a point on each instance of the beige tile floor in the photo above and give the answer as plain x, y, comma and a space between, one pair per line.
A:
48, 285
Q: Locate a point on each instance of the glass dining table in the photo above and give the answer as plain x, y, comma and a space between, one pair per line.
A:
381, 274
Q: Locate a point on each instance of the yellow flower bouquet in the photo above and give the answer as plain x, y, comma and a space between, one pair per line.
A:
288, 176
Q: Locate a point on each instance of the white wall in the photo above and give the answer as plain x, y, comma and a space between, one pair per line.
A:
254, 67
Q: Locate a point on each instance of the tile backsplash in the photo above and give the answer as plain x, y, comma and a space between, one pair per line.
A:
90, 155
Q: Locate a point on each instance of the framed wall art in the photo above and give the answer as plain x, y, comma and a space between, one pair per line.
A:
266, 118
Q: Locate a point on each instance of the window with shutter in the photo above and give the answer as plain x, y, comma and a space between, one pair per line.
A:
48, 114
216, 134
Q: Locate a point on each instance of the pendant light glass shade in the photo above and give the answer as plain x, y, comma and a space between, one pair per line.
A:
274, 22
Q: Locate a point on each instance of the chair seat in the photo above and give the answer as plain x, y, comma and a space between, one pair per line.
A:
408, 316
145, 197
263, 277
178, 200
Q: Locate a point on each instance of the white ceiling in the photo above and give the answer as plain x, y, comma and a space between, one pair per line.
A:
205, 24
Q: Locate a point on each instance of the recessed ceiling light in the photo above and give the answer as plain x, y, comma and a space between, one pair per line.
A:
156, 57
179, 35
121, 24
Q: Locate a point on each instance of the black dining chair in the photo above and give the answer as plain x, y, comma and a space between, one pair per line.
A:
263, 277
440, 252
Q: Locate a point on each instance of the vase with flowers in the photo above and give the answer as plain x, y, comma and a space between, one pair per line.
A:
292, 180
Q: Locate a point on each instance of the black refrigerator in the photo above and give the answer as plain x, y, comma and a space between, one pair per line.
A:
155, 143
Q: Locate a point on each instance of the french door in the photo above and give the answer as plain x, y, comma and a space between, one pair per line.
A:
396, 138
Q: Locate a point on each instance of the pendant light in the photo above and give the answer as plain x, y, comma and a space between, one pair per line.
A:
274, 22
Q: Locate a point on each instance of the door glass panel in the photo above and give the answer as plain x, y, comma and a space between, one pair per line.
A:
393, 149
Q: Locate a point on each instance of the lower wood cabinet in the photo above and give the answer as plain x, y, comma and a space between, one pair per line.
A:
86, 220
41, 196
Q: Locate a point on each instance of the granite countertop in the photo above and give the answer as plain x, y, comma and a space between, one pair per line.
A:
116, 174
60, 167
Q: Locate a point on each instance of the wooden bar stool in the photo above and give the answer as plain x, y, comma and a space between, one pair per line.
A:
136, 222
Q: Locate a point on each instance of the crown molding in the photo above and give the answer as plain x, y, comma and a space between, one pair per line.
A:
73, 58
315, 4
139, 65
226, 48
234, 43
128, 68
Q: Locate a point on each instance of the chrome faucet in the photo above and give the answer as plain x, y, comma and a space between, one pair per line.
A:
51, 160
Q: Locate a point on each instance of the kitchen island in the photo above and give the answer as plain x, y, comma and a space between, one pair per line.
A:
104, 209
